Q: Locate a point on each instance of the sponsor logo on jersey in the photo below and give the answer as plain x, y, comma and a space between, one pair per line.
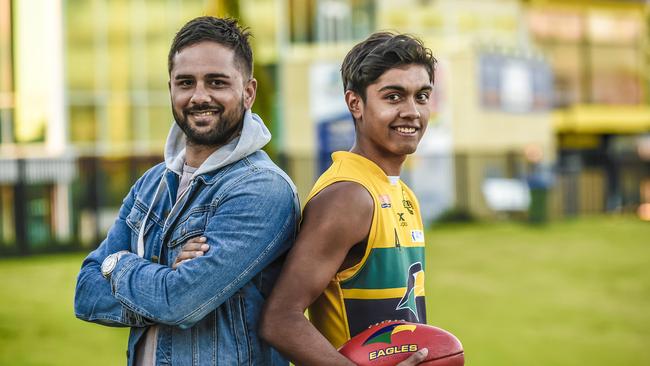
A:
408, 206
384, 200
417, 236
401, 219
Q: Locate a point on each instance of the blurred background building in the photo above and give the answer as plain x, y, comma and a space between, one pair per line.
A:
541, 107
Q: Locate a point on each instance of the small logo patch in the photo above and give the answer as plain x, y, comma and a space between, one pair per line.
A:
401, 219
408, 206
385, 334
384, 199
417, 236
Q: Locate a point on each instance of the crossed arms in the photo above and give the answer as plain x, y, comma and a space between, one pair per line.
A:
249, 229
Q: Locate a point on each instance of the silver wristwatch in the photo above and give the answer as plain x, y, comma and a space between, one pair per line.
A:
108, 265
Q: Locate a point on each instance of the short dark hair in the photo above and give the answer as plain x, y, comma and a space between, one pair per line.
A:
368, 60
224, 31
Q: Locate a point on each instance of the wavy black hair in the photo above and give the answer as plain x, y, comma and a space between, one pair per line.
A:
224, 31
368, 60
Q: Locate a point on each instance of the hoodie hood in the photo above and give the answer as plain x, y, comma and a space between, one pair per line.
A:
254, 135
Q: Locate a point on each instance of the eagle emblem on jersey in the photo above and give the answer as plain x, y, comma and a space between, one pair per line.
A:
414, 288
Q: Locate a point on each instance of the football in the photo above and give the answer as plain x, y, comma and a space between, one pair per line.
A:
390, 342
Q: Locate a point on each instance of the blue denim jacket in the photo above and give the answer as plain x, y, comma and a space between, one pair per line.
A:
208, 309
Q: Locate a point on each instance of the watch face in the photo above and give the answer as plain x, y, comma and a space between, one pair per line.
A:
108, 265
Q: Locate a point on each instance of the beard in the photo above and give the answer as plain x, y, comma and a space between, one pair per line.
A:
228, 124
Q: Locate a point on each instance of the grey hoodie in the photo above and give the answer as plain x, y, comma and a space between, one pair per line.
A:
254, 135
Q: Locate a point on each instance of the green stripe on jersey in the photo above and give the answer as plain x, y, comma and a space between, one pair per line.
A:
385, 268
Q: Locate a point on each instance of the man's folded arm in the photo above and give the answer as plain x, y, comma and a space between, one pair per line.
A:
94, 300
249, 230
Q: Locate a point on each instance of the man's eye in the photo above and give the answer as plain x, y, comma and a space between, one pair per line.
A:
393, 97
423, 97
217, 83
185, 83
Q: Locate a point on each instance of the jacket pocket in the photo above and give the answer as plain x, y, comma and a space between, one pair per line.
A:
190, 225
136, 217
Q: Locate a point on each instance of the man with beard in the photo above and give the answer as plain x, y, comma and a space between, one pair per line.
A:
198, 241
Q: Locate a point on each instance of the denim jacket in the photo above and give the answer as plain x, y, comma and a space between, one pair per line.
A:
208, 309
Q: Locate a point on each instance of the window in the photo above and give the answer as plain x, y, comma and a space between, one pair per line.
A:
596, 54
116, 62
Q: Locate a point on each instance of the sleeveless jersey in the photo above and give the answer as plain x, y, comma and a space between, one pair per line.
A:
388, 282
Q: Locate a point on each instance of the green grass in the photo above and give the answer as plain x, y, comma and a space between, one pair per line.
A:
570, 293
37, 322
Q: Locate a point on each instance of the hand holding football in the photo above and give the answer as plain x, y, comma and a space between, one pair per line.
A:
389, 343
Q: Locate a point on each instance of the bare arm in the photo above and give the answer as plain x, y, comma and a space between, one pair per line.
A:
333, 222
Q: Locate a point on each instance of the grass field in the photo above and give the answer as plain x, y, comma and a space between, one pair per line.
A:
570, 293
37, 322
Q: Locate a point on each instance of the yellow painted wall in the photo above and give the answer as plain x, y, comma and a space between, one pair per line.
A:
478, 129
33, 93
298, 127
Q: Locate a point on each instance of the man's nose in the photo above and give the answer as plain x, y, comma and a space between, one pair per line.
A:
200, 95
410, 110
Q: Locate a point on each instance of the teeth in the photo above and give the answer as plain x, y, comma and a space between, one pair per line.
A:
203, 114
405, 129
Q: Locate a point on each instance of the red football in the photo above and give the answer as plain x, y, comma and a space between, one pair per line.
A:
388, 343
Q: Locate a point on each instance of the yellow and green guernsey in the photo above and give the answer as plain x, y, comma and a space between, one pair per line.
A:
388, 283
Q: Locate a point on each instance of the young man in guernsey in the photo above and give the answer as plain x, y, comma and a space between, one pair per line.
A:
359, 256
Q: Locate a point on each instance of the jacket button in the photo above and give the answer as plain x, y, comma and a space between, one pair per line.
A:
154, 259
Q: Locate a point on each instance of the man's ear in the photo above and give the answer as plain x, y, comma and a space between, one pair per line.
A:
250, 91
355, 104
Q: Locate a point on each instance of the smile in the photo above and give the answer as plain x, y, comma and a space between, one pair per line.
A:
406, 130
203, 113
